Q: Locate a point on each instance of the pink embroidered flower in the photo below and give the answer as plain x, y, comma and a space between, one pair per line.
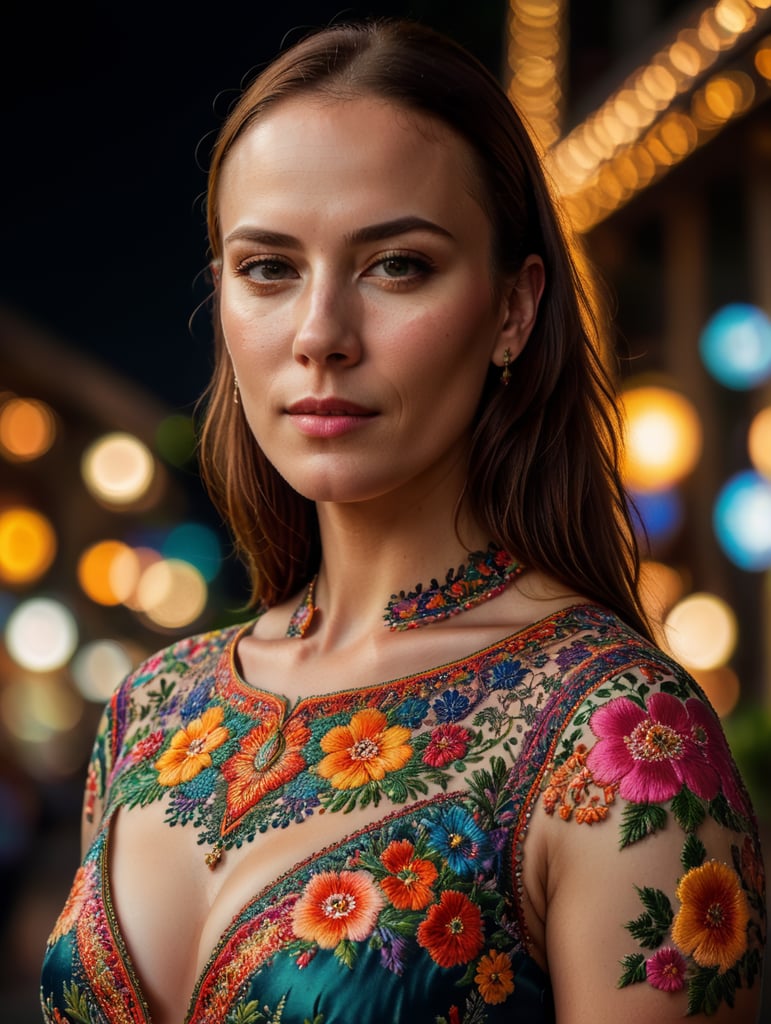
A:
449, 742
147, 748
666, 970
650, 752
709, 736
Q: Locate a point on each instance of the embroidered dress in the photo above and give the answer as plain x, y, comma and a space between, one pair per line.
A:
429, 784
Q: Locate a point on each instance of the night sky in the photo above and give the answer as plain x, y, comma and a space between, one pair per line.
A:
108, 112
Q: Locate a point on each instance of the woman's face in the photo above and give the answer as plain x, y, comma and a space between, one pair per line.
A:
357, 297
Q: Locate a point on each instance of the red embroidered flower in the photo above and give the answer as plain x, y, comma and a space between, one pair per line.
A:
452, 930
448, 742
269, 757
336, 906
666, 969
147, 748
409, 885
650, 752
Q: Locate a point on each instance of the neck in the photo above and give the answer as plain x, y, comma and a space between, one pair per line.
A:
368, 558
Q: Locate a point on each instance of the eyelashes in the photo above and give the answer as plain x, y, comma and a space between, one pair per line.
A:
395, 268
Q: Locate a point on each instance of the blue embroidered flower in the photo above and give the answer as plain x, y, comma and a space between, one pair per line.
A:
197, 700
458, 838
451, 706
412, 712
393, 951
506, 675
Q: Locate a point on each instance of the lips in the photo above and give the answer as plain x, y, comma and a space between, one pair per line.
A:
327, 407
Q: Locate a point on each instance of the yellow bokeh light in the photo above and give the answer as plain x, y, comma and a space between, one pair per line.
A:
99, 667
701, 631
721, 686
35, 708
763, 58
108, 572
118, 469
27, 429
172, 593
734, 16
27, 545
663, 438
759, 441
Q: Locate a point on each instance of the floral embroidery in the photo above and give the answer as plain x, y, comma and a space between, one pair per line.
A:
712, 921
447, 743
666, 969
364, 750
82, 890
337, 906
191, 747
268, 757
452, 930
651, 753
458, 756
570, 789
495, 977
411, 879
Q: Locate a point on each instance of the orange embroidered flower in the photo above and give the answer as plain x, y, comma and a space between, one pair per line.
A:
569, 790
495, 977
711, 924
190, 749
83, 887
269, 756
363, 750
452, 930
409, 885
336, 906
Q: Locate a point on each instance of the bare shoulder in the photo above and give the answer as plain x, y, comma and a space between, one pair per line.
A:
649, 850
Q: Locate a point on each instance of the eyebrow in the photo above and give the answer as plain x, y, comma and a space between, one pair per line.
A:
370, 233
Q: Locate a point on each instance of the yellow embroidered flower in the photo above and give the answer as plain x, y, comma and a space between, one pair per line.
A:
494, 977
363, 750
711, 924
190, 748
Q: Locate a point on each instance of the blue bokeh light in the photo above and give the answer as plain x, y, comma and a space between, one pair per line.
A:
661, 513
735, 346
742, 520
196, 544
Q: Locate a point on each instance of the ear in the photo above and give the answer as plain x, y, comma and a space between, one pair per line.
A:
519, 308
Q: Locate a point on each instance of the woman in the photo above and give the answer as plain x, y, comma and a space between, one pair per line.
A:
522, 811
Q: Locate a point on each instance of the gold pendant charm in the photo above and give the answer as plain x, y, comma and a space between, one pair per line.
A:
213, 857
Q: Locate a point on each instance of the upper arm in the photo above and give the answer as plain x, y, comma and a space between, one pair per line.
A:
655, 891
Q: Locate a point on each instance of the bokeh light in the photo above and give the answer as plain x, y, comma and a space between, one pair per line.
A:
735, 346
721, 686
99, 667
663, 438
118, 469
27, 429
41, 634
742, 520
197, 544
35, 708
108, 572
27, 545
759, 441
660, 513
171, 593
701, 631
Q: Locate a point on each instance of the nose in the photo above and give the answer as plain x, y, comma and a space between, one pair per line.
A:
326, 330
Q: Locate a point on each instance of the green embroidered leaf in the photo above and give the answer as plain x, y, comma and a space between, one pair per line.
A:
704, 991
345, 951
633, 970
639, 821
75, 1004
693, 853
725, 815
246, 1013
318, 1019
650, 928
688, 809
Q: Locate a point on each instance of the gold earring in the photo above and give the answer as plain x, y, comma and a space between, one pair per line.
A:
235, 390
506, 375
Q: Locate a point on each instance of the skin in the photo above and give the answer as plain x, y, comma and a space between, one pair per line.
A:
357, 269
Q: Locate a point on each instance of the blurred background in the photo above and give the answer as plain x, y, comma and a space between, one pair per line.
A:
655, 120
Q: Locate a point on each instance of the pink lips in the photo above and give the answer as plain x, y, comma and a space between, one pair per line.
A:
327, 417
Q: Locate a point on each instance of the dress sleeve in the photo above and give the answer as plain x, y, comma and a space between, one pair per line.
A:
656, 905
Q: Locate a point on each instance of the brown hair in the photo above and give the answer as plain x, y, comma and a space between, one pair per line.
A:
543, 474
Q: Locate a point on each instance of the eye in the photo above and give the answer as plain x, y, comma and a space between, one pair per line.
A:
399, 266
266, 269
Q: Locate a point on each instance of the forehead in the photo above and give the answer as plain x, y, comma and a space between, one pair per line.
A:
316, 148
